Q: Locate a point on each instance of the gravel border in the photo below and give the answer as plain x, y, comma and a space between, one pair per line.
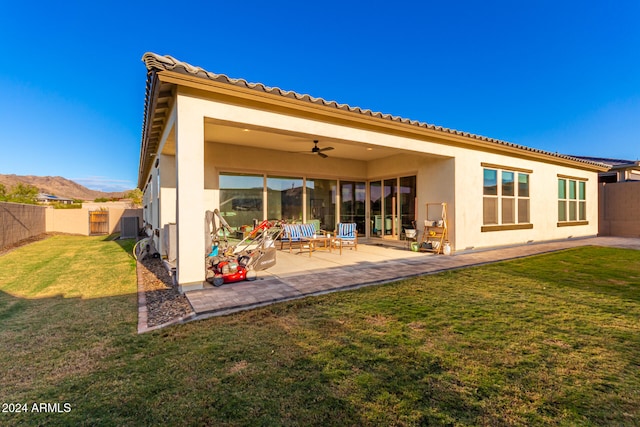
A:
160, 303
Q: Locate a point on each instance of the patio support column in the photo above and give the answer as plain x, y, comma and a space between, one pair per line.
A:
189, 195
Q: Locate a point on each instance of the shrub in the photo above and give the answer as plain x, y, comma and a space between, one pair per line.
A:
58, 205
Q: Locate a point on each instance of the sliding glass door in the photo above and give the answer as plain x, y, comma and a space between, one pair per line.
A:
407, 201
390, 203
321, 203
284, 198
391, 209
392, 206
352, 204
375, 206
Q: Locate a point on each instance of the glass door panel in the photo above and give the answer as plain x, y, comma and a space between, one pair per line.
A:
241, 198
390, 207
407, 202
375, 207
321, 203
284, 198
352, 204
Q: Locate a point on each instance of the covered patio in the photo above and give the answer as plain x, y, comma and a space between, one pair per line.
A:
266, 170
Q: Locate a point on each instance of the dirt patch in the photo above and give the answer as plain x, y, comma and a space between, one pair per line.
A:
24, 242
164, 302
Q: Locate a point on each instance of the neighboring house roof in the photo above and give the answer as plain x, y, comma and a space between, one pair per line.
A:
619, 170
52, 198
612, 163
158, 63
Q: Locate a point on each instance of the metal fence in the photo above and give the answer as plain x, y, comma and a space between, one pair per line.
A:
20, 222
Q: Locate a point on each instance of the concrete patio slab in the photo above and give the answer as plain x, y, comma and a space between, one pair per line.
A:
296, 275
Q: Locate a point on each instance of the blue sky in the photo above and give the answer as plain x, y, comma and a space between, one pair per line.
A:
562, 76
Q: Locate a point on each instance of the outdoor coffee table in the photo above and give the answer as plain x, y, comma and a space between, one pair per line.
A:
317, 243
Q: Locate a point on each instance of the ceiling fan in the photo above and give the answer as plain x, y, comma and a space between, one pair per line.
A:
319, 151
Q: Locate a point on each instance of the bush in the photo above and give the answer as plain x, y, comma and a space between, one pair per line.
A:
58, 205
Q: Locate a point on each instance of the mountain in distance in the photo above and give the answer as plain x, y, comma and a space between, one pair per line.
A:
59, 186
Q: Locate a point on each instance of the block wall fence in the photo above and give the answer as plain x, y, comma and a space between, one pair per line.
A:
619, 209
21, 222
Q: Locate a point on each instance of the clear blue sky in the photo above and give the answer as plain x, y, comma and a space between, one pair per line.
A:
555, 75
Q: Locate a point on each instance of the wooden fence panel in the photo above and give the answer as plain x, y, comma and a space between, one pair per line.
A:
99, 222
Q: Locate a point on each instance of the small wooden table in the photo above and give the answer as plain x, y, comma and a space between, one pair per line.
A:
317, 243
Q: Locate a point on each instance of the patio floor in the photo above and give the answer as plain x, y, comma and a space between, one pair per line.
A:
296, 275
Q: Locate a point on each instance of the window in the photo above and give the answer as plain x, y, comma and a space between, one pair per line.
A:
572, 201
490, 203
505, 198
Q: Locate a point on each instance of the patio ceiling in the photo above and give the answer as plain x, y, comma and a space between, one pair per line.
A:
271, 139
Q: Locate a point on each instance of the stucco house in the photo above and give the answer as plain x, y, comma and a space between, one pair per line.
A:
210, 141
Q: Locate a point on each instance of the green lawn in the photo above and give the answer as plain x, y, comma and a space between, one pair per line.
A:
547, 340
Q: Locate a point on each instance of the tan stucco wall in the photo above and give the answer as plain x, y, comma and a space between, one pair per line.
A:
73, 221
543, 202
76, 221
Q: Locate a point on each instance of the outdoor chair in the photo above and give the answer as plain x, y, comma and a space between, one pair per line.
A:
346, 236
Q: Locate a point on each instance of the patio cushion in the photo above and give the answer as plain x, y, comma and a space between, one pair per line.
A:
291, 232
307, 230
295, 232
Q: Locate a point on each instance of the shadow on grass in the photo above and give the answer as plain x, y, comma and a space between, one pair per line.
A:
86, 353
125, 244
249, 369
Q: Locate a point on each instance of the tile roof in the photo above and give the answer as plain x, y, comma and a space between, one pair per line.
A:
155, 62
613, 163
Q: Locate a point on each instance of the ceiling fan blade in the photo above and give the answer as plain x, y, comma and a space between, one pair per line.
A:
324, 156
326, 148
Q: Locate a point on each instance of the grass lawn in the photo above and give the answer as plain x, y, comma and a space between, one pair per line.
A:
547, 340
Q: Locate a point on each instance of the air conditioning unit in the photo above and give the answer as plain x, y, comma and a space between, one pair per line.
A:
169, 242
129, 227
